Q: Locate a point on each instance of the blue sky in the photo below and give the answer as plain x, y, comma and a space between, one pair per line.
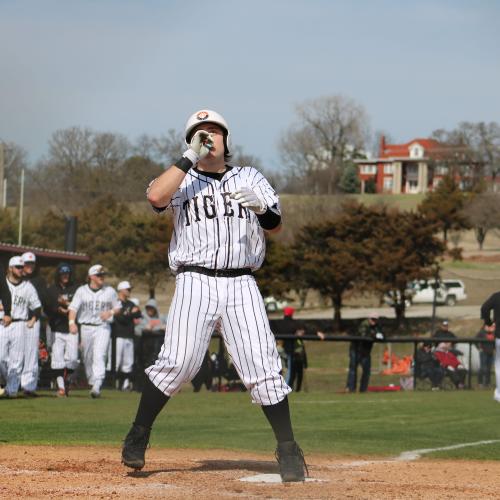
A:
136, 67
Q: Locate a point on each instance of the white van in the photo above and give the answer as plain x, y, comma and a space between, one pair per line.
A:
448, 292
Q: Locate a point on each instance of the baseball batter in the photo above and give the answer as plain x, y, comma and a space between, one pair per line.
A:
25, 311
64, 357
93, 307
220, 213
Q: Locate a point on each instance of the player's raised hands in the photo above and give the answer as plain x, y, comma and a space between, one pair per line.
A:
249, 199
201, 143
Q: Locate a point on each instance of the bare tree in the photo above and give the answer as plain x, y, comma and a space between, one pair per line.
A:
330, 131
170, 147
483, 213
473, 150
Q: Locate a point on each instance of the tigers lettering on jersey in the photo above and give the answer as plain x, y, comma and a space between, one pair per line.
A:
211, 229
89, 304
208, 204
95, 306
24, 299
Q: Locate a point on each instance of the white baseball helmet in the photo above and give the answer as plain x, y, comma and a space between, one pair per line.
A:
208, 116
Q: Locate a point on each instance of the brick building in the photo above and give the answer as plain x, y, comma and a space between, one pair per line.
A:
414, 167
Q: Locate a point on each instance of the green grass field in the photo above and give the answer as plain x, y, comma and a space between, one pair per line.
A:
373, 424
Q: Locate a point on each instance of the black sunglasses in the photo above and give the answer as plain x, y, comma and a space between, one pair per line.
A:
19, 267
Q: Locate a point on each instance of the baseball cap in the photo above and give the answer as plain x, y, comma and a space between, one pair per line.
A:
445, 322
64, 269
123, 285
96, 269
373, 315
17, 260
29, 257
135, 301
288, 311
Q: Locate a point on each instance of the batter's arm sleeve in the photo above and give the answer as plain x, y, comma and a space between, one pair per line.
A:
486, 310
5, 295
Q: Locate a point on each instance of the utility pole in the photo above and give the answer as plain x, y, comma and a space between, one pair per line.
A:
2, 175
21, 206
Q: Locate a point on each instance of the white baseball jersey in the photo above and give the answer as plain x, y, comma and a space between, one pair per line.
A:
212, 230
24, 298
89, 304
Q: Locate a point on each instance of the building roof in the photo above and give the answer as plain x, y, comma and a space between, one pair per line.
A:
46, 255
403, 150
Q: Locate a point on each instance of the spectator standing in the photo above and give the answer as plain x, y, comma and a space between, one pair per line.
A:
122, 331
492, 305
299, 361
360, 352
64, 359
486, 354
29, 377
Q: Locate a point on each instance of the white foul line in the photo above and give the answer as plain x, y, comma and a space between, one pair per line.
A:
416, 454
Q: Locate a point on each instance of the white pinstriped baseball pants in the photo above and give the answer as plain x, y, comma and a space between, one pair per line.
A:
12, 354
29, 376
124, 355
64, 351
95, 341
199, 301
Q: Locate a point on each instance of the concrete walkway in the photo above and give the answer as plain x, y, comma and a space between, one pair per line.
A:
415, 311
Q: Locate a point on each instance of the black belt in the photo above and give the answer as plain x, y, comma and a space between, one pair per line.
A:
91, 324
216, 273
17, 320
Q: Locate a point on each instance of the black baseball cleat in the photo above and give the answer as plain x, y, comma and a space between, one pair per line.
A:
291, 461
134, 447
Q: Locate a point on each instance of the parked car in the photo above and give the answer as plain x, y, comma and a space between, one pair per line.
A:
455, 288
273, 305
448, 292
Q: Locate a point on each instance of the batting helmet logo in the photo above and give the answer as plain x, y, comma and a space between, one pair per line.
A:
202, 115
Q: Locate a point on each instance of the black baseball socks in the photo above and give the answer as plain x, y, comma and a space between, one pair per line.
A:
278, 416
151, 403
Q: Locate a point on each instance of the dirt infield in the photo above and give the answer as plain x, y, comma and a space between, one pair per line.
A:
95, 472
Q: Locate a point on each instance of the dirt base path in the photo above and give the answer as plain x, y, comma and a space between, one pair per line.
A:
96, 472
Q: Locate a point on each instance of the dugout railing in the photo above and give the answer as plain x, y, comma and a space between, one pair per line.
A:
399, 340
412, 340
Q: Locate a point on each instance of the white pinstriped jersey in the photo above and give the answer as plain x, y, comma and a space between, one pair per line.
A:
24, 298
89, 303
212, 230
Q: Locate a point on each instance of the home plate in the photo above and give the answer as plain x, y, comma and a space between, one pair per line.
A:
272, 478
